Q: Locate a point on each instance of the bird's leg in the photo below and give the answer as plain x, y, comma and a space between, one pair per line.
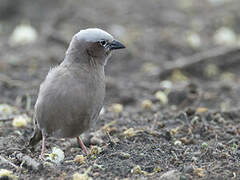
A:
43, 147
82, 145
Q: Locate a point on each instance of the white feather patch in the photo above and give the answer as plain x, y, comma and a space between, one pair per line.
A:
93, 35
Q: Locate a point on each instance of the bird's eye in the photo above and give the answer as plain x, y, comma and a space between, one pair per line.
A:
103, 43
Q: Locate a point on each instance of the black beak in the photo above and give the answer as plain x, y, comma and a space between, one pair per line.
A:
116, 45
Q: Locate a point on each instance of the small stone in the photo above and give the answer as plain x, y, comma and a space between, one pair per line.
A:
136, 170
162, 97
166, 84
96, 140
177, 143
220, 146
225, 36
201, 110
117, 108
193, 39
23, 34
147, 104
188, 169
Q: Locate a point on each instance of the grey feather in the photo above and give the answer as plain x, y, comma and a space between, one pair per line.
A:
72, 95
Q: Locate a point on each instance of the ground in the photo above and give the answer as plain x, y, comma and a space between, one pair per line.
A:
177, 81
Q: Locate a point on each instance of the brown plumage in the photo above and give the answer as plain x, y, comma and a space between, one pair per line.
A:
71, 96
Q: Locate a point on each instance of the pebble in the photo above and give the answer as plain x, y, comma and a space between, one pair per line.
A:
188, 169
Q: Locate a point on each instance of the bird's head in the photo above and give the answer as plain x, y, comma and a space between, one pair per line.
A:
94, 43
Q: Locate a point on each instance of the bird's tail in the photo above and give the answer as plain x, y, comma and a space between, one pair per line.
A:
37, 136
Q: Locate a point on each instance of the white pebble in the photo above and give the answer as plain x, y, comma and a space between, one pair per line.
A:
23, 34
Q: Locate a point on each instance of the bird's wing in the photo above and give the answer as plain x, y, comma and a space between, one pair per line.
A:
62, 104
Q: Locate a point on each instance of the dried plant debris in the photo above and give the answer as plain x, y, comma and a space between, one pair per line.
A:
162, 97
109, 126
211, 70
79, 159
117, 108
137, 170
202, 110
95, 150
78, 176
23, 34
6, 109
20, 121
84, 176
131, 132
150, 68
147, 104
57, 155
193, 39
200, 172
178, 76
7, 174
172, 97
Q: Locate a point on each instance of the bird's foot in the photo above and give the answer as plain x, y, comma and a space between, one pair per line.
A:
41, 157
82, 145
43, 148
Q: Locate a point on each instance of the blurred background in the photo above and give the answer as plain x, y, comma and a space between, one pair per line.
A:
159, 34
172, 99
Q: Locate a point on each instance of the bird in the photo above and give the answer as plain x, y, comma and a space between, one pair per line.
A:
72, 94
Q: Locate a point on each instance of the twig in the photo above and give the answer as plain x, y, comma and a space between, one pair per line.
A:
154, 122
110, 139
3, 160
6, 119
211, 56
29, 161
